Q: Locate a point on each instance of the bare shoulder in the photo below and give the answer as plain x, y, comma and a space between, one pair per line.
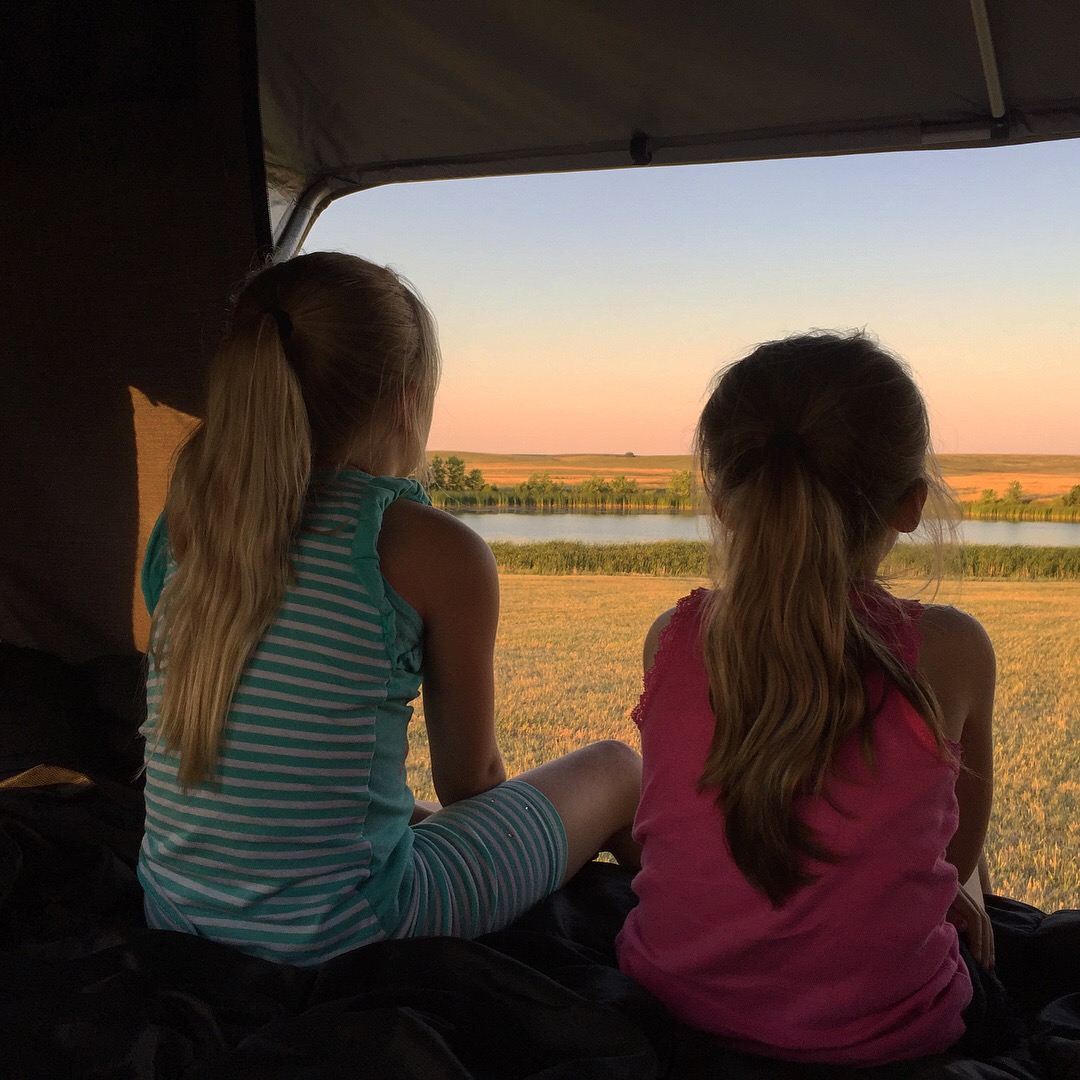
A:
946, 628
957, 659
427, 555
406, 520
652, 638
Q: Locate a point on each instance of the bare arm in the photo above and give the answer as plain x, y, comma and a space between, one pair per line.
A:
447, 573
958, 661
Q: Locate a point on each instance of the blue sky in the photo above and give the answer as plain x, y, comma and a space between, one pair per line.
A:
586, 312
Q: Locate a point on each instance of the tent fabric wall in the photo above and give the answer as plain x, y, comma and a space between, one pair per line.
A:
134, 205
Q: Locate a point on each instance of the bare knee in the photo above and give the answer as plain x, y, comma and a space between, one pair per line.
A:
598, 785
621, 762
616, 754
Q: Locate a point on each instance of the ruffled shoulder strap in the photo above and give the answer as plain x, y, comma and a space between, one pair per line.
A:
373, 495
685, 619
358, 501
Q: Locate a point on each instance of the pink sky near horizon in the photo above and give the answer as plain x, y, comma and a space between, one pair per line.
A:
587, 312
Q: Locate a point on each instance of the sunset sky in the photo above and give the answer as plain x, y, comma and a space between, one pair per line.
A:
586, 312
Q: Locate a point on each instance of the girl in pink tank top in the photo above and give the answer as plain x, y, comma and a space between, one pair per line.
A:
817, 753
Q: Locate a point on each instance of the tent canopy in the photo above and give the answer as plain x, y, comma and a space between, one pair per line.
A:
359, 94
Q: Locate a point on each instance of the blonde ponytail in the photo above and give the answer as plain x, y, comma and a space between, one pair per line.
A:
785, 643
329, 359
236, 498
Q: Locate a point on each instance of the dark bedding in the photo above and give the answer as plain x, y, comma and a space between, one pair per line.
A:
89, 991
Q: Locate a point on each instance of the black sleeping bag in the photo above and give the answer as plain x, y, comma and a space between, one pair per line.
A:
89, 991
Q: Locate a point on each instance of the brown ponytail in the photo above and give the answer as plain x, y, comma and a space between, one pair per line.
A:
807, 447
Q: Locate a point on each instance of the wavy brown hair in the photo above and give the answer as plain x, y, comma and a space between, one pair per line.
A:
327, 358
808, 447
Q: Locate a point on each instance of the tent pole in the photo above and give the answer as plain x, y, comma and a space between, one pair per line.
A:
308, 207
988, 57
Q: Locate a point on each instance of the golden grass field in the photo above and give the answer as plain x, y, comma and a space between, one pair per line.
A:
1042, 475
569, 672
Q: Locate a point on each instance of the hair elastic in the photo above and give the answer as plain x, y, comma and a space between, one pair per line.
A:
785, 441
284, 322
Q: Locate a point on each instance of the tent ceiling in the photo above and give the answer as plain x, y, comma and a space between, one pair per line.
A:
376, 91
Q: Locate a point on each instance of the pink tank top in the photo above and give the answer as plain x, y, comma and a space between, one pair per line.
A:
859, 967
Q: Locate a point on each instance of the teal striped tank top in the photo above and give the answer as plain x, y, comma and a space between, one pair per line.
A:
300, 849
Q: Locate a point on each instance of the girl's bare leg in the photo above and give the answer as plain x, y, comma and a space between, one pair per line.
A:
595, 791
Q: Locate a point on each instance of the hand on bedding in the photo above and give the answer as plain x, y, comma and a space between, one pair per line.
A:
970, 919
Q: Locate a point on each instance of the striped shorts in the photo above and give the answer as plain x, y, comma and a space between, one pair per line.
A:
480, 863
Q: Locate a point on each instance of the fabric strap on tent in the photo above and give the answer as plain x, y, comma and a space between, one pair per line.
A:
989, 59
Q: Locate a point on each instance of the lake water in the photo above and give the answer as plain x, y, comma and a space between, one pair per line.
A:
641, 528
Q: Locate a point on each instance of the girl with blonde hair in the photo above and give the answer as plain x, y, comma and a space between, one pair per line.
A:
817, 753
302, 588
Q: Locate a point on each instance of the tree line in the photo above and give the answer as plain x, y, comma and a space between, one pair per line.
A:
451, 486
1015, 505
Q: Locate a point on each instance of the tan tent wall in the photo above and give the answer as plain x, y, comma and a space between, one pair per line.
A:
135, 202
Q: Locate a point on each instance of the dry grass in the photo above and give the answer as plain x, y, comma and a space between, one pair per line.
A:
1044, 476
1010, 464
590, 630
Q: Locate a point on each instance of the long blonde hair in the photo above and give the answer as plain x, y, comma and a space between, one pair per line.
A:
327, 357
808, 447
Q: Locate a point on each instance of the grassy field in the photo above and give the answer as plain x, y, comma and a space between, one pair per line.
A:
591, 629
1041, 475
